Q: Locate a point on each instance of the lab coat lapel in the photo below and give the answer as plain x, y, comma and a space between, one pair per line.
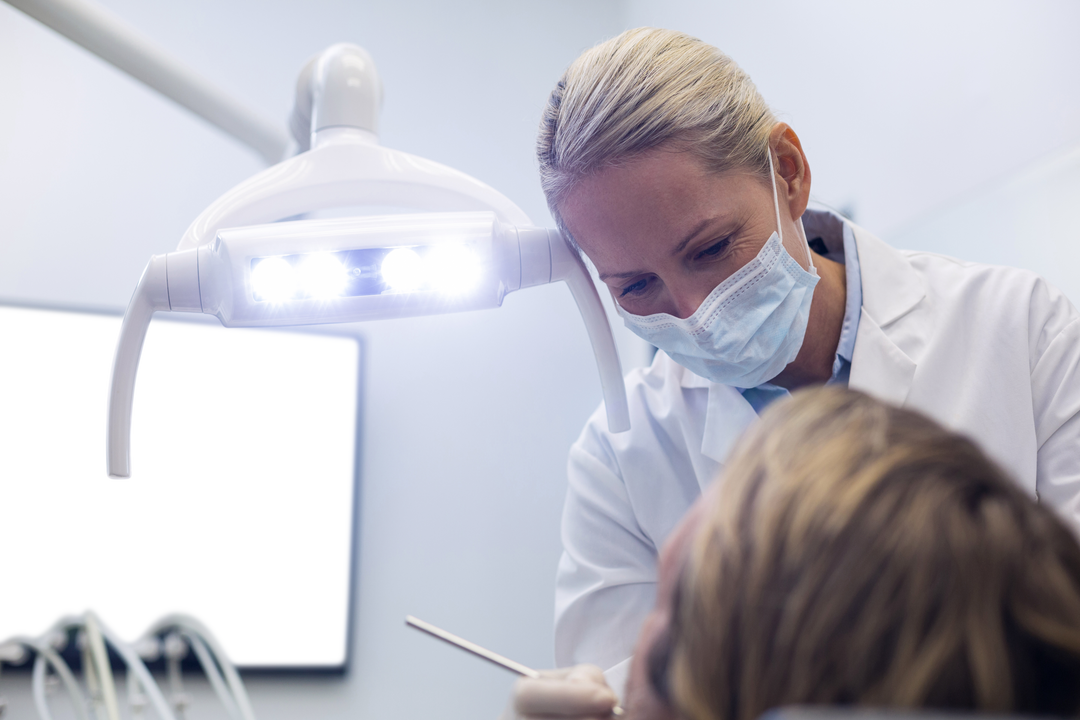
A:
878, 367
727, 415
890, 285
891, 288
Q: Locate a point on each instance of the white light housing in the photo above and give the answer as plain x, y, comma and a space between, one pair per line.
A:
344, 270
453, 269
284, 273
361, 268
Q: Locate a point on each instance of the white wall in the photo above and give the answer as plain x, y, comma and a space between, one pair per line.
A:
903, 108
1026, 220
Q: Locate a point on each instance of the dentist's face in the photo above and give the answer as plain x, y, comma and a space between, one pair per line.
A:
663, 231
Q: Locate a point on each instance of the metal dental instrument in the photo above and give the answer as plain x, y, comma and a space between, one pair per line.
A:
481, 652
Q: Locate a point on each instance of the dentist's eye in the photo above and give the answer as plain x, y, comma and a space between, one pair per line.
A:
712, 250
634, 288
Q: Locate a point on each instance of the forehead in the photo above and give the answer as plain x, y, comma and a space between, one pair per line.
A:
652, 201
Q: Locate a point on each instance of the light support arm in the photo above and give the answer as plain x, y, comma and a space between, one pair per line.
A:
120, 45
567, 265
150, 295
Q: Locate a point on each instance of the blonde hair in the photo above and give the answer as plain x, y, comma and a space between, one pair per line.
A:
862, 554
644, 89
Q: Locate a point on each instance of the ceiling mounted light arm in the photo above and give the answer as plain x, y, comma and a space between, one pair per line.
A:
232, 264
117, 43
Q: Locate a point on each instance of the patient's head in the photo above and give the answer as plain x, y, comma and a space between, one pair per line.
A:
856, 553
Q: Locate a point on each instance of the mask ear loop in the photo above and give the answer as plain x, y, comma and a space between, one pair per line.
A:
779, 231
775, 197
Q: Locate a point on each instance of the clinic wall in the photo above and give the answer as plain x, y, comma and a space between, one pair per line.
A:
902, 108
906, 111
1025, 220
466, 419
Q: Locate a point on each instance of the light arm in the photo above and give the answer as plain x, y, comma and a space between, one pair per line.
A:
120, 45
566, 265
150, 295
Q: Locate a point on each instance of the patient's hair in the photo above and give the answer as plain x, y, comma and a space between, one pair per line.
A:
862, 554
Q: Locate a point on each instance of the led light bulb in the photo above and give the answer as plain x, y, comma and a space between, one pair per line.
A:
453, 269
322, 276
273, 279
403, 270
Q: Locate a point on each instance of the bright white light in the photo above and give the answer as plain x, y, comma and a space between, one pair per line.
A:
403, 270
322, 275
453, 269
274, 279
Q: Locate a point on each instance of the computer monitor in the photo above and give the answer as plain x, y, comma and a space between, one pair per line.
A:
241, 511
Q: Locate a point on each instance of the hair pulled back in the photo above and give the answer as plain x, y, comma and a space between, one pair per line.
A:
644, 89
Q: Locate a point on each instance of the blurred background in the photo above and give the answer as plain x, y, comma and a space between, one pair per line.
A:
945, 126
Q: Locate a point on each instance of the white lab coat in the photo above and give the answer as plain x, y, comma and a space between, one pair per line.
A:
993, 352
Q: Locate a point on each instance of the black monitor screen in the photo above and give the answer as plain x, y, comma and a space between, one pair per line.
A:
239, 510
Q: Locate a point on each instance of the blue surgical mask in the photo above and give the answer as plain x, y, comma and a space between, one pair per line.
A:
750, 326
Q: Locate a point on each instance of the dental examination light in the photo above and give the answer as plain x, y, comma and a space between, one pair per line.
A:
469, 249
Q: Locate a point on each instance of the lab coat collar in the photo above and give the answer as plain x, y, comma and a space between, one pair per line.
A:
891, 289
727, 414
879, 367
691, 380
890, 285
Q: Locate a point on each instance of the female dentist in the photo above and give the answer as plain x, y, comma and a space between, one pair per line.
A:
665, 166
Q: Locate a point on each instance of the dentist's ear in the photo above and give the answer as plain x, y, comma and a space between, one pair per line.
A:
792, 170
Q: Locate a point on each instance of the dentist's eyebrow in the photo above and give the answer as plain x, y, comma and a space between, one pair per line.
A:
678, 249
693, 234
622, 275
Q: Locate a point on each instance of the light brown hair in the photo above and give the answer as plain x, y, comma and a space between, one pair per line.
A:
862, 554
645, 89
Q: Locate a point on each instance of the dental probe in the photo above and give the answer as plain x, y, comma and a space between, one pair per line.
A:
481, 652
